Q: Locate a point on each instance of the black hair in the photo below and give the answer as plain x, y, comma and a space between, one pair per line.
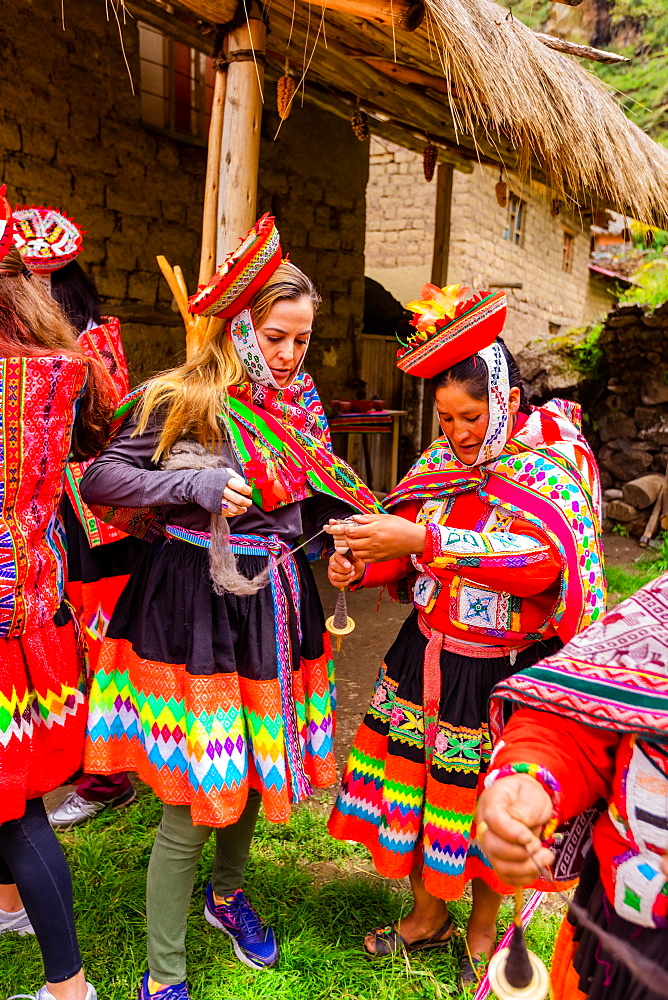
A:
76, 295
472, 375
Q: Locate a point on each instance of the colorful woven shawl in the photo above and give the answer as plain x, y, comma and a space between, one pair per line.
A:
613, 676
38, 399
547, 475
103, 343
281, 462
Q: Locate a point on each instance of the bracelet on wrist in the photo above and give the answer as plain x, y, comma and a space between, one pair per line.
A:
544, 778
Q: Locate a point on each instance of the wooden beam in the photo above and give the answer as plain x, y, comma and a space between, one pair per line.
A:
240, 146
407, 74
440, 259
380, 11
207, 261
582, 51
216, 11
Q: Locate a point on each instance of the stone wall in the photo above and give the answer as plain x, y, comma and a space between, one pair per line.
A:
71, 135
631, 413
399, 247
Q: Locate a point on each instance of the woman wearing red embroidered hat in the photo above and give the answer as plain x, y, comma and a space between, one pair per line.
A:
99, 557
496, 528
52, 400
213, 684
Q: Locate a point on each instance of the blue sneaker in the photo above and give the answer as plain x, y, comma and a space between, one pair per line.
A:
253, 943
178, 992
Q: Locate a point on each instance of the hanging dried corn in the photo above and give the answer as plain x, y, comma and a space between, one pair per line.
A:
360, 124
285, 90
501, 191
429, 158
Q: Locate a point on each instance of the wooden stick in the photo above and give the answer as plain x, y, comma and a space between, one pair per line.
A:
207, 261
174, 287
583, 51
653, 520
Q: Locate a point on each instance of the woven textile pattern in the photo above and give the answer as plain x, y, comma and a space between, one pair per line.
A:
43, 712
389, 803
546, 475
37, 408
105, 345
204, 740
614, 676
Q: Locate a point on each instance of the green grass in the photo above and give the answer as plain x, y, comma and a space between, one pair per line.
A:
320, 918
622, 583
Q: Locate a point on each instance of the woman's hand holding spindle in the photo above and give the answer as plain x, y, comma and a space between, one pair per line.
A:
236, 496
343, 571
377, 537
510, 815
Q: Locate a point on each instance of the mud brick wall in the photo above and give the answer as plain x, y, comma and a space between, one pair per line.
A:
71, 135
400, 236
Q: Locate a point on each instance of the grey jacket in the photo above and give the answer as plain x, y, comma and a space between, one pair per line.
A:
124, 475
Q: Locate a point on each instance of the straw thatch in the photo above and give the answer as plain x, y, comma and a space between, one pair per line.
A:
549, 107
478, 83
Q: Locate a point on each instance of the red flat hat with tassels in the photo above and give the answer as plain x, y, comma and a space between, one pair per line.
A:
47, 239
6, 224
451, 325
242, 274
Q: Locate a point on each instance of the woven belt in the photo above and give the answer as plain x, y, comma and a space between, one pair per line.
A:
431, 675
283, 598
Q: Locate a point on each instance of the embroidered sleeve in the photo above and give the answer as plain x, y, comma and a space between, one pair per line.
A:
580, 759
487, 557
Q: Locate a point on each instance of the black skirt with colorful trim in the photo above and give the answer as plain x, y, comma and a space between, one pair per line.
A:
409, 815
207, 695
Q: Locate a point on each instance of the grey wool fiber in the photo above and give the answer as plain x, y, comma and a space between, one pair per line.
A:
225, 577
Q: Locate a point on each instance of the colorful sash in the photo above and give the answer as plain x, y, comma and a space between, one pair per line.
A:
103, 343
282, 465
546, 475
256, 545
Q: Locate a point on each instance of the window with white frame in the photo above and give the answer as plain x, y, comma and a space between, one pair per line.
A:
515, 221
176, 85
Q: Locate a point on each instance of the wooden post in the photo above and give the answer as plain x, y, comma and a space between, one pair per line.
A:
207, 261
439, 276
240, 146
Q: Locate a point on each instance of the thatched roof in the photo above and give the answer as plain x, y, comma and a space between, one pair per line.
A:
477, 82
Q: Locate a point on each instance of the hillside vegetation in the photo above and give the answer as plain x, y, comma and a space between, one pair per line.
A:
634, 28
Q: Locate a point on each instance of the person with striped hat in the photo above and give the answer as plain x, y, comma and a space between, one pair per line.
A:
494, 535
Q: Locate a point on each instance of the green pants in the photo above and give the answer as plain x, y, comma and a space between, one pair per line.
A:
171, 875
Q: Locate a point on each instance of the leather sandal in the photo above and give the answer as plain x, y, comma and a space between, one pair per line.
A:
471, 971
389, 941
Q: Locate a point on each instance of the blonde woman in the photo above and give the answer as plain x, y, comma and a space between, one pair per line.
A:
221, 700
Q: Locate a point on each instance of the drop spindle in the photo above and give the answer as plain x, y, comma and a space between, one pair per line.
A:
515, 973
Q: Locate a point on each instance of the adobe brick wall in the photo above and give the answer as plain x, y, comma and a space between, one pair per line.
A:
71, 136
399, 246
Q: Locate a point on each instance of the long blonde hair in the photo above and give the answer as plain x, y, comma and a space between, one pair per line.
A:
195, 392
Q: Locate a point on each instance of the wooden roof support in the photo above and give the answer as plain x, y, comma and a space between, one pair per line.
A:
406, 14
240, 145
583, 51
207, 261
